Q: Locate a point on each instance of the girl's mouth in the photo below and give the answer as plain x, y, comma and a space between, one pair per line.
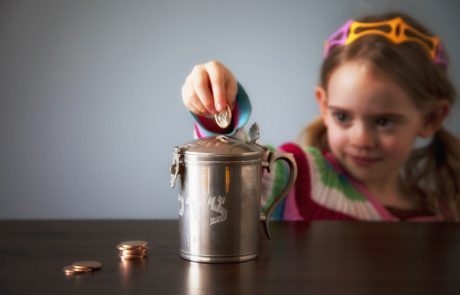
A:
363, 161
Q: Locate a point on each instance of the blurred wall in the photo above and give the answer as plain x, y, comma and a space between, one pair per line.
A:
90, 90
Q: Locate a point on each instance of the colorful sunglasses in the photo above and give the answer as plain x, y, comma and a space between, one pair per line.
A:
396, 30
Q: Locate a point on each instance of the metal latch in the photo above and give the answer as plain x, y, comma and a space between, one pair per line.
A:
176, 167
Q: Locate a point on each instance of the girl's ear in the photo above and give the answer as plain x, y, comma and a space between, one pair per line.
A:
434, 118
321, 98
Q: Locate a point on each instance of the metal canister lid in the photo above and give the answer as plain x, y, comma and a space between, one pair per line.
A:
221, 147
217, 150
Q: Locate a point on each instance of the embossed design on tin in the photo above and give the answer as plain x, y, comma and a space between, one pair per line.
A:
218, 209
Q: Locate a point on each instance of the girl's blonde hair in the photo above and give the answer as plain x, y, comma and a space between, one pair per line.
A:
431, 172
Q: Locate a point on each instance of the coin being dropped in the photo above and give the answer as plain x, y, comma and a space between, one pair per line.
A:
224, 118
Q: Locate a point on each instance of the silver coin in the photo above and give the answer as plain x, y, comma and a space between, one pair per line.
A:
224, 118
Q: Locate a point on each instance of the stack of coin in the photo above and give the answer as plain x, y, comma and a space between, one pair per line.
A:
132, 250
82, 267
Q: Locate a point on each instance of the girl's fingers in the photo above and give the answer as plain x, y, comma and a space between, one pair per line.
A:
202, 87
197, 108
191, 99
193, 103
209, 89
217, 76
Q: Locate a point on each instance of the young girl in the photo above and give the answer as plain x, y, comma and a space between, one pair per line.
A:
383, 84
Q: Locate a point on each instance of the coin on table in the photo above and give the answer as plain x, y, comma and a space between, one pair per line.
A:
130, 250
129, 256
224, 118
132, 257
70, 270
134, 252
133, 244
87, 265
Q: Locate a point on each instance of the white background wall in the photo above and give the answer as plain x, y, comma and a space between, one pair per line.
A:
90, 90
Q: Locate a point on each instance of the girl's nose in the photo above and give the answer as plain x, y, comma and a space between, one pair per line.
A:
362, 136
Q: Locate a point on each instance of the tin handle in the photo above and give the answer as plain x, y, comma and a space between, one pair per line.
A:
274, 156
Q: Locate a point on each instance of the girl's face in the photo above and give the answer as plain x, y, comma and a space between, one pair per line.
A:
372, 123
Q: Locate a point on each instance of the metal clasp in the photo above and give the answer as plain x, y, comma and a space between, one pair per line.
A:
176, 167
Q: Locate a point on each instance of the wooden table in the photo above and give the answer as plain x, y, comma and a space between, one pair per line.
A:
302, 258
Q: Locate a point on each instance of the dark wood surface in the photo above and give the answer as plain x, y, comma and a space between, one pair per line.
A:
302, 258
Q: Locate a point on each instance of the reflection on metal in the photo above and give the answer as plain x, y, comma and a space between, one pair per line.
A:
227, 179
181, 205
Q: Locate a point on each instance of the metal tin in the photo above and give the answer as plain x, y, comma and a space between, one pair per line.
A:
219, 197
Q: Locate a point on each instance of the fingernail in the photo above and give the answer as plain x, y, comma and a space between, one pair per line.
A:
218, 107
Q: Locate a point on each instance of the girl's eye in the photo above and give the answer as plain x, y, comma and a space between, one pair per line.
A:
384, 122
341, 117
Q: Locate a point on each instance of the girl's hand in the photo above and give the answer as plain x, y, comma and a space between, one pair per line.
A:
209, 88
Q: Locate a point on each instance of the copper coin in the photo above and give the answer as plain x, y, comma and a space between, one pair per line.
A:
133, 252
224, 118
132, 249
87, 265
132, 244
81, 270
131, 257
68, 270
